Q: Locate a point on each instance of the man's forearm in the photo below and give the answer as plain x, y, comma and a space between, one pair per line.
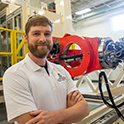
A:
23, 118
72, 114
75, 113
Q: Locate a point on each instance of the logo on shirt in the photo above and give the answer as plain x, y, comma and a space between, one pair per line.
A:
61, 78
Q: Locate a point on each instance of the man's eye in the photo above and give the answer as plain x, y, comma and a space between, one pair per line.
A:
47, 34
36, 34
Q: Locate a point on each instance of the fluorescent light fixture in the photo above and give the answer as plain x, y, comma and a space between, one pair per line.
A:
57, 21
41, 12
83, 11
62, 3
6, 1
12, 1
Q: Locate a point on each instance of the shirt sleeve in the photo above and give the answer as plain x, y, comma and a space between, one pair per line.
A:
17, 95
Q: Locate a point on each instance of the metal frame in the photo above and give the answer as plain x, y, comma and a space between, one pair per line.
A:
116, 88
3, 13
103, 113
14, 49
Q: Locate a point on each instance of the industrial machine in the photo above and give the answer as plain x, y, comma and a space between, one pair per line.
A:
82, 55
87, 54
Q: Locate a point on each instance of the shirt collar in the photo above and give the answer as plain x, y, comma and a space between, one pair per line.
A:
34, 67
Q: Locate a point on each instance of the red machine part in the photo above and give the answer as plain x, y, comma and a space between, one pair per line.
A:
76, 63
94, 56
89, 49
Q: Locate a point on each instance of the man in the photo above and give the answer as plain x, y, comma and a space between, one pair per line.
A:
4, 46
38, 91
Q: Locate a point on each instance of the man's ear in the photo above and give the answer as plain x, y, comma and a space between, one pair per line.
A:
26, 38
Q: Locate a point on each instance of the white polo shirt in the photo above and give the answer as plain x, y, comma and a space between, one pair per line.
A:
28, 87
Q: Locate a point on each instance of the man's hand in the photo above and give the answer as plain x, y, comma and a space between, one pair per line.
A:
43, 117
73, 98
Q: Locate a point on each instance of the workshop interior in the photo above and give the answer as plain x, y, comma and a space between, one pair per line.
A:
88, 41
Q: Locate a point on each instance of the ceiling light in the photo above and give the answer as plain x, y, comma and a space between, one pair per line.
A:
41, 12
83, 11
57, 21
62, 3
12, 1
6, 1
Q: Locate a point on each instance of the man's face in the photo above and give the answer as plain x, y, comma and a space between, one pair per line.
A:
40, 40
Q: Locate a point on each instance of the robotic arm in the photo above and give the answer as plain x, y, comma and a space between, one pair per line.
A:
89, 54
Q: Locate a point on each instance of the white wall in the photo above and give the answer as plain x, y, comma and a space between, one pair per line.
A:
99, 26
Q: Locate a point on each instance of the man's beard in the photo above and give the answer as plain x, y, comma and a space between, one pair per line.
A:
40, 52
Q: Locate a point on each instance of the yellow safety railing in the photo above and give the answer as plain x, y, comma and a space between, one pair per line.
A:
14, 50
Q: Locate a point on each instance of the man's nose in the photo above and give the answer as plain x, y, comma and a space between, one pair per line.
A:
42, 38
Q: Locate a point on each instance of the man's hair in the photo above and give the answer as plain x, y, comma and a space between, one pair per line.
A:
37, 20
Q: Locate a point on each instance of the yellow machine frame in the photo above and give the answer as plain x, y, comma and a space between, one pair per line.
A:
14, 49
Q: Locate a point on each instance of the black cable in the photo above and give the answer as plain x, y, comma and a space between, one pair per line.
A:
112, 105
108, 89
